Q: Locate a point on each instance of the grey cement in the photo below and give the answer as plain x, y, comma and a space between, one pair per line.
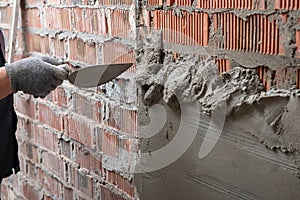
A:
257, 155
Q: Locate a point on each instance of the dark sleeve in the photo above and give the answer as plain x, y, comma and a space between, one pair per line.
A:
2, 42
8, 124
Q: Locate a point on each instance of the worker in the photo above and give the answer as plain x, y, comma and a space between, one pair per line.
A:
34, 75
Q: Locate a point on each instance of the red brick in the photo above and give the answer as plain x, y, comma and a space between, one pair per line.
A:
30, 170
44, 45
58, 18
123, 119
85, 106
153, 2
258, 33
78, 19
59, 47
108, 194
53, 2
200, 24
83, 51
217, 4
287, 4
25, 127
30, 151
205, 25
286, 77
265, 74
262, 4
31, 2
4, 191
119, 2
61, 98
30, 192
50, 18
103, 26
25, 106
97, 23
48, 116
113, 52
45, 138
171, 2
31, 18
65, 19
121, 182
58, 97
6, 14
119, 25
67, 193
86, 160
50, 184
79, 130
223, 65
84, 183
52, 162
298, 43
110, 144
37, 43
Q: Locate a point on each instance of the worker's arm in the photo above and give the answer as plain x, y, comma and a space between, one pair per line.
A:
36, 76
5, 87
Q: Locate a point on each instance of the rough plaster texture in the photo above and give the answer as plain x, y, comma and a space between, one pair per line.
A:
258, 144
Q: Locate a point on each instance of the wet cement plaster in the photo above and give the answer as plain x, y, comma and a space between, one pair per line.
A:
259, 141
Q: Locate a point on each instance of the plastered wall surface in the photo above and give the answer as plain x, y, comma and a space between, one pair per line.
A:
253, 145
222, 73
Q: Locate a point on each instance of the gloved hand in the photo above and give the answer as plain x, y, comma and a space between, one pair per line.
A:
36, 75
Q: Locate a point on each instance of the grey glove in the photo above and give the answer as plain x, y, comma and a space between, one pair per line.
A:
36, 76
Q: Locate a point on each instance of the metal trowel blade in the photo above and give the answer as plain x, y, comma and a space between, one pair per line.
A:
96, 75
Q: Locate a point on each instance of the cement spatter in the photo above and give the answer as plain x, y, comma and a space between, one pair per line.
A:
269, 116
190, 79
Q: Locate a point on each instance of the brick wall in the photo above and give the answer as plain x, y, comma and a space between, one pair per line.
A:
65, 138
264, 32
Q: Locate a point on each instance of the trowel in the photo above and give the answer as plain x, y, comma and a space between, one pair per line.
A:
96, 75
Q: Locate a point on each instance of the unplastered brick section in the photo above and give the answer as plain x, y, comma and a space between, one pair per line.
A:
116, 52
259, 33
83, 51
63, 137
287, 4
119, 23
123, 119
235, 4
183, 28
31, 17
117, 2
212, 4
5, 14
223, 65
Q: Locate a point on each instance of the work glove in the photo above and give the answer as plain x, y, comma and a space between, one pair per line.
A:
36, 75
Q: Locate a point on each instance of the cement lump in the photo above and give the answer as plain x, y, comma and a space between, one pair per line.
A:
190, 79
